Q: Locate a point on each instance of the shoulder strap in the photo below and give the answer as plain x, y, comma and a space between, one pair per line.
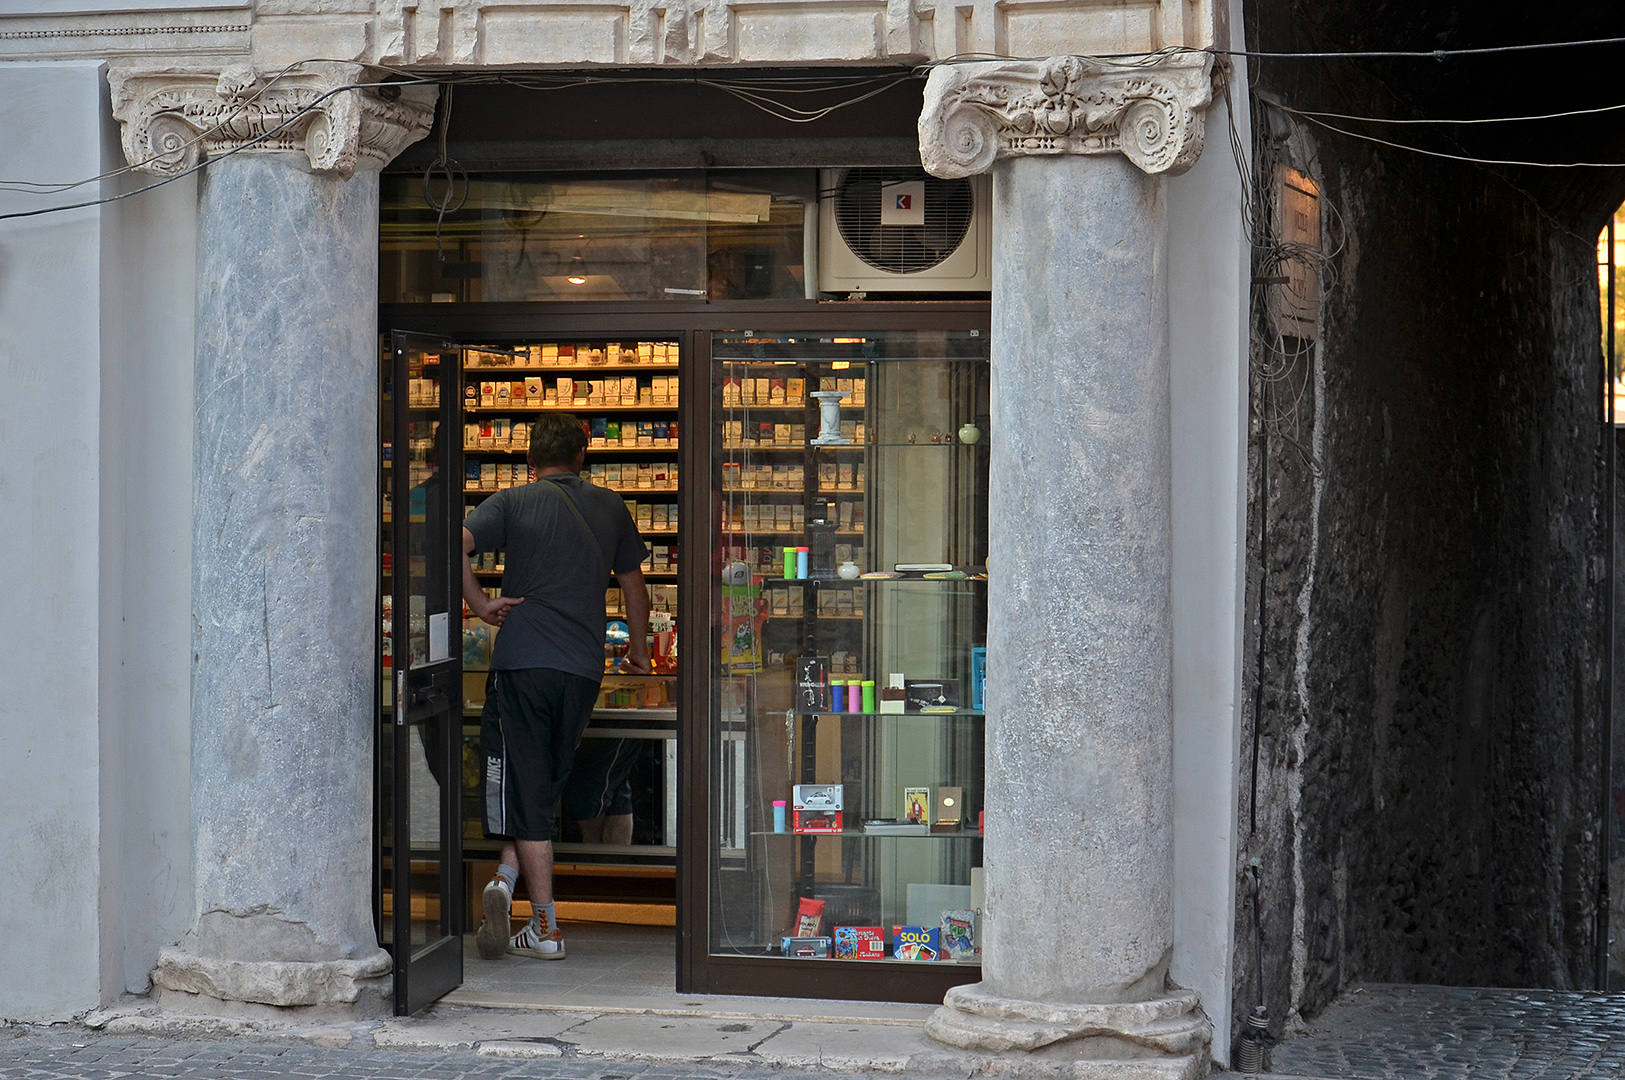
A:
592, 537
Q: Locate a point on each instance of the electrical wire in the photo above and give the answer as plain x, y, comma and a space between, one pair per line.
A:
201, 165
757, 93
1469, 120
56, 188
1142, 58
1454, 157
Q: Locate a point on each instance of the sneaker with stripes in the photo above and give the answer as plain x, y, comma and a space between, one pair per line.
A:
532, 940
492, 937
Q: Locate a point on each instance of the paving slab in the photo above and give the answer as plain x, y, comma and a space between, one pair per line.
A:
672, 1039
844, 1047
462, 1029
752, 1008
513, 1049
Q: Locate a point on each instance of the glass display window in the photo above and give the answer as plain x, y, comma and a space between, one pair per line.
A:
846, 726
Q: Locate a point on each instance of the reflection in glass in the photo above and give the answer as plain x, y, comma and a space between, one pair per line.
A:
425, 818
724, 235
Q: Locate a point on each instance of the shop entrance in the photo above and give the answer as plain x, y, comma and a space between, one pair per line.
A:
636, 302
457, 411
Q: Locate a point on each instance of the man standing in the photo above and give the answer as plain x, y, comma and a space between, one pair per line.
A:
563, 538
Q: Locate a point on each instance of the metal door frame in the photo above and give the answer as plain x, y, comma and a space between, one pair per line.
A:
425, 693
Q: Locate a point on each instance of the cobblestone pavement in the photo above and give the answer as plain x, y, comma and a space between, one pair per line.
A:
72, 1053
1446, 1033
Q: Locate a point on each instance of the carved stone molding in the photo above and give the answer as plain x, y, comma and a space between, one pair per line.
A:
1165, 1038
1151, 114
332, 113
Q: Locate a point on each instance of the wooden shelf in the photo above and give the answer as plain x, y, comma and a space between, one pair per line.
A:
532, 369
504, 410
790, 491
787, 407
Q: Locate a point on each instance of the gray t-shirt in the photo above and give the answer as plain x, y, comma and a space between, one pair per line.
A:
551, 563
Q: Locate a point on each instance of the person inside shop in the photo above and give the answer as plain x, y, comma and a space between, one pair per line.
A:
563, 540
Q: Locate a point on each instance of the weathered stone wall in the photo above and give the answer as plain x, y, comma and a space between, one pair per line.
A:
1425, 532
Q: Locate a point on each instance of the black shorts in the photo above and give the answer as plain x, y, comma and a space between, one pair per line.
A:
532, 721
602, 783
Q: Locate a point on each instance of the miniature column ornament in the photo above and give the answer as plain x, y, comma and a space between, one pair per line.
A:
284, 524
1077, 920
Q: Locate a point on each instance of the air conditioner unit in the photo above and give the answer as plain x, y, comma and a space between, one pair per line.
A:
903, 230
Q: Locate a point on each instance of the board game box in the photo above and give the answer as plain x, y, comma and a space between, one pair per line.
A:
860, 943
916, 942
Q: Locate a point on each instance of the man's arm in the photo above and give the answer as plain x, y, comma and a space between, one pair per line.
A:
636, 594
483, 607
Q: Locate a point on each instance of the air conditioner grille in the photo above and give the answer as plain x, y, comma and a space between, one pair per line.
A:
902, 249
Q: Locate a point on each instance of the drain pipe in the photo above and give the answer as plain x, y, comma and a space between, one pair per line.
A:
1252, 1048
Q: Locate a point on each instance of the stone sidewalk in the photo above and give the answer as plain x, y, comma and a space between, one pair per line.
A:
1371, 1033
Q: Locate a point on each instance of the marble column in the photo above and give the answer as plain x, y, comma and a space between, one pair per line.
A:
284, 527
1077, 923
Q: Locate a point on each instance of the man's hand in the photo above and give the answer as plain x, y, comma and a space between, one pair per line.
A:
496, 611
637, 661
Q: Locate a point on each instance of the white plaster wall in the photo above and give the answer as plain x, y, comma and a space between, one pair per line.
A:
1209, 273
148, 286
50, 461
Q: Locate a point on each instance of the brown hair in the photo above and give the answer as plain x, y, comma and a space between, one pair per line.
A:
555, 441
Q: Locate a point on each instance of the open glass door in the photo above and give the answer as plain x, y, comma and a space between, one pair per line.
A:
420, 767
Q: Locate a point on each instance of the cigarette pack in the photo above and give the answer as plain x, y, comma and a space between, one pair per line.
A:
917, 942
534, 393
488, 394
860, 943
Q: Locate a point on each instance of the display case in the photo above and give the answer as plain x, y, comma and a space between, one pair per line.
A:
846, 726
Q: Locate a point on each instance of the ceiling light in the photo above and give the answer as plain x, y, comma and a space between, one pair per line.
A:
576, 279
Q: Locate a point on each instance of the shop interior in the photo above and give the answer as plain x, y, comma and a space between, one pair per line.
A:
808, 469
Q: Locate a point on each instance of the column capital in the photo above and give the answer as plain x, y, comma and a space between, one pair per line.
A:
1151, 113
330, 112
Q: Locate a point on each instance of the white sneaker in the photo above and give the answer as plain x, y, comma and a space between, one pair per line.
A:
492, 937
531, 941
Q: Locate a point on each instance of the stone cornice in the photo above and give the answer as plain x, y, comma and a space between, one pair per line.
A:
172, 118
1150, 113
